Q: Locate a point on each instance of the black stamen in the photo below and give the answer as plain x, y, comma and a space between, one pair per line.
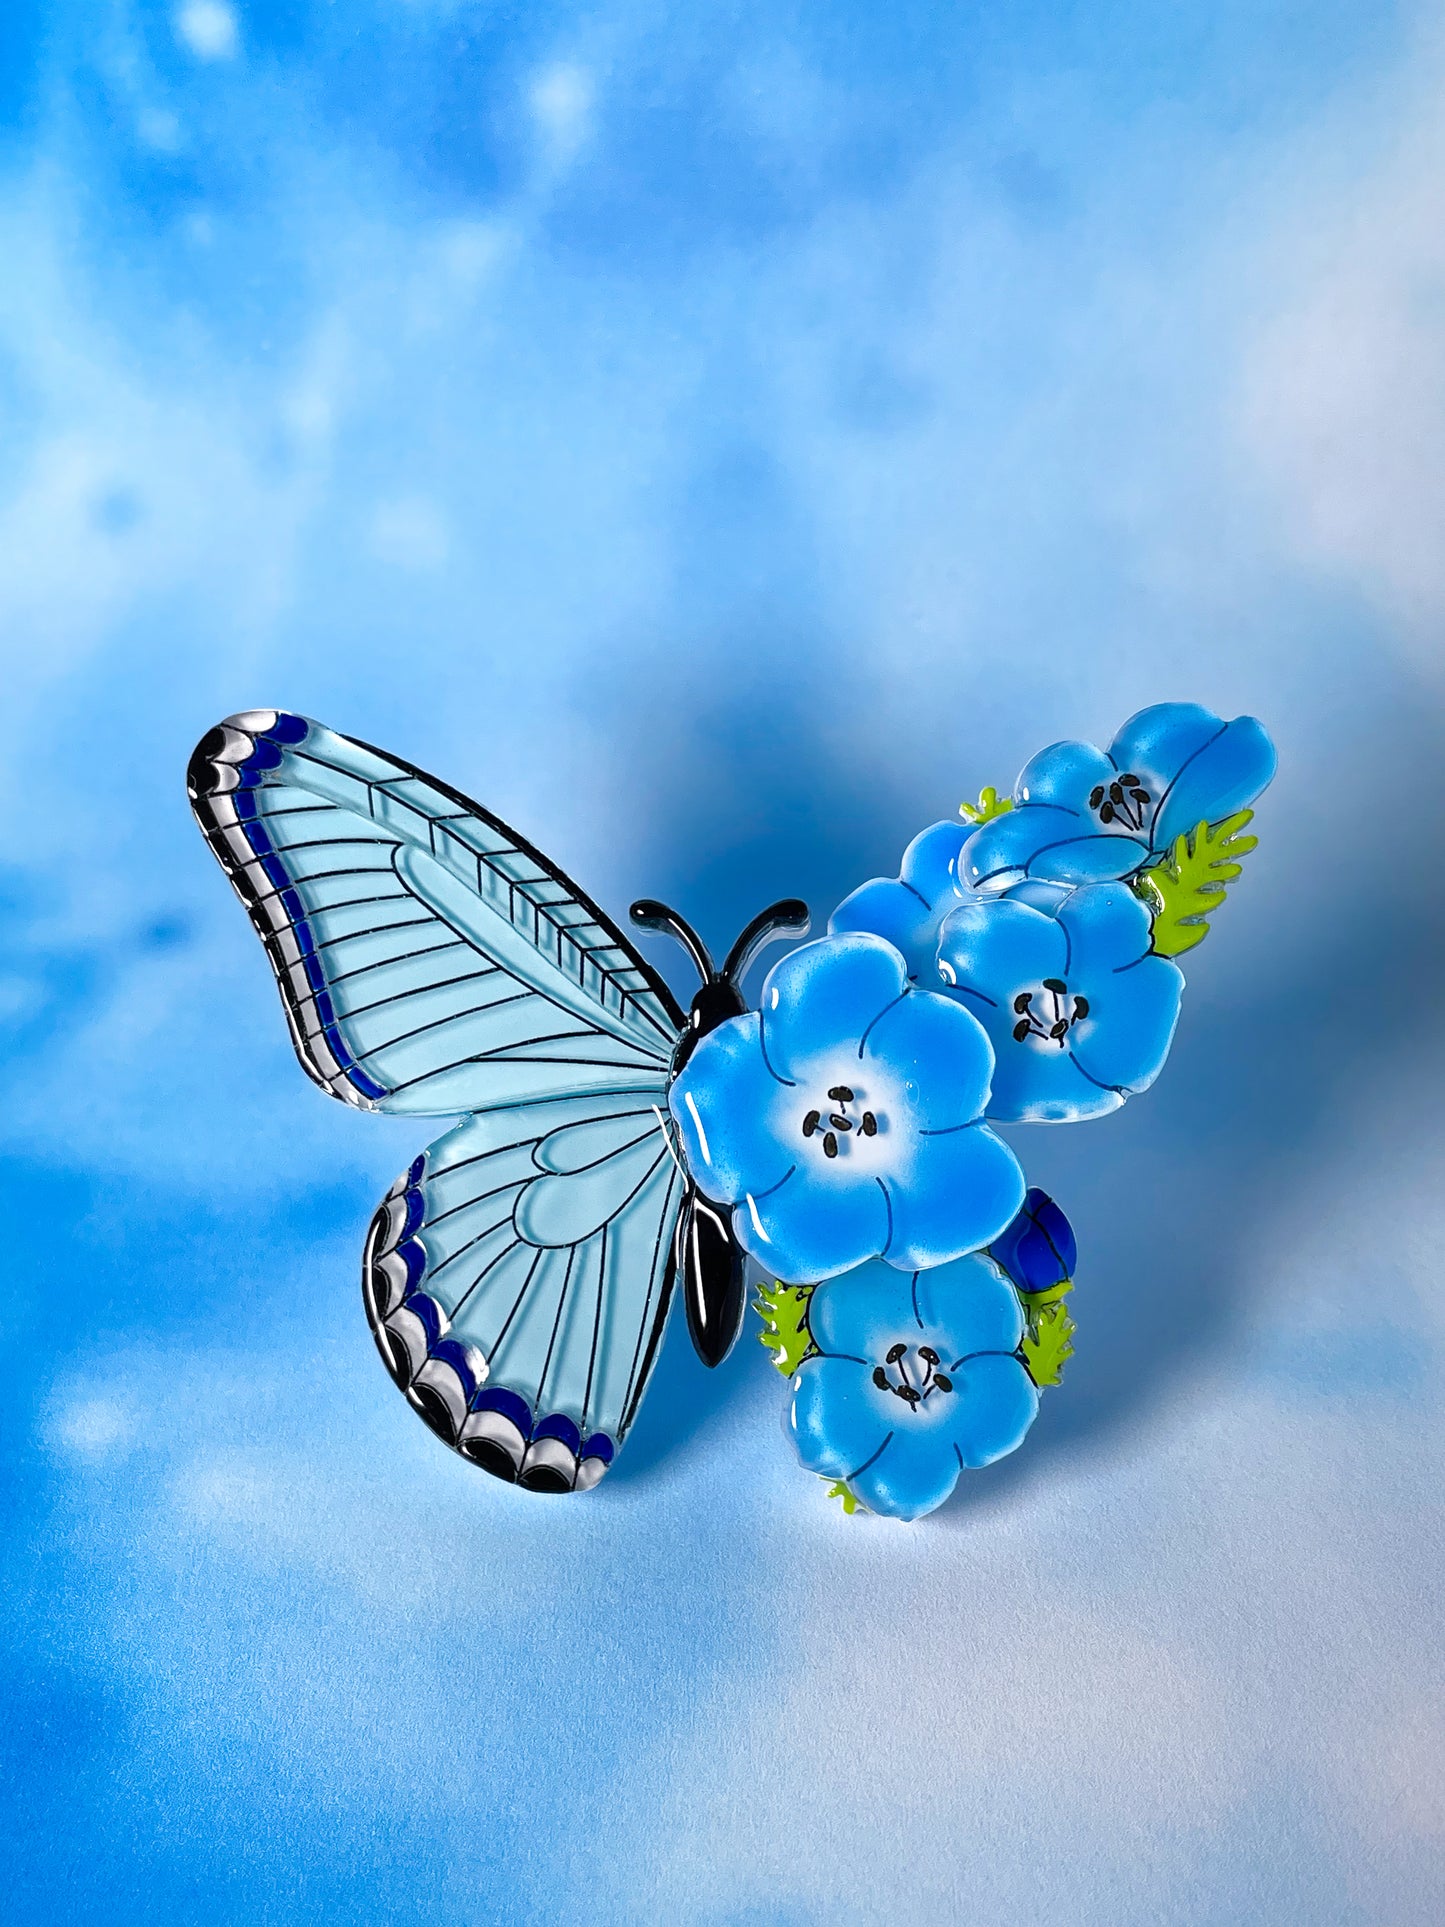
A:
1022, 1029
1059, 1029
943, 1381
1096, 796
1023, 1000
880, 1379
895, 1352
1116, 794
1081, 1008
840, 1094
1128, 778
1140, 796
810, 1123
928, 1354
830, 1145
840, 1123
1055, 984
1106, 813
870, 1124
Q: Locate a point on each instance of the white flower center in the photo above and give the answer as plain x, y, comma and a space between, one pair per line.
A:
839, 1121
911, 1374
1048, 1013
1122, 804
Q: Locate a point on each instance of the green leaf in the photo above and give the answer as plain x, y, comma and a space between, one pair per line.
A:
989, 805
1048, 1341
1188, 885
784, 1312
851, 1502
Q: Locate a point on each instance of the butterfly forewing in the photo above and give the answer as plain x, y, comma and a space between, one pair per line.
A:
431, 961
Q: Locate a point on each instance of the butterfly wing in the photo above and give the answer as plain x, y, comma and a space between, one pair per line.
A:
518, 1278
431, 961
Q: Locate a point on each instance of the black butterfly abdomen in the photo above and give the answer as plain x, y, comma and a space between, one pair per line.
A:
712, 1270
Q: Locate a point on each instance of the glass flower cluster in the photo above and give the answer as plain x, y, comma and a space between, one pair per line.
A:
1018, 970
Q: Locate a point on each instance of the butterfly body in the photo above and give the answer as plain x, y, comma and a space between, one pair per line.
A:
518, 1276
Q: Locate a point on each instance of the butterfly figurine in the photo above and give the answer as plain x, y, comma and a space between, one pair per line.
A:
518, 1276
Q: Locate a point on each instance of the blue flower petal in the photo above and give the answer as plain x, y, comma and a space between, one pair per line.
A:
1157, 742
939, 1052
910, 1476
1125, 1039
1224, 776
1089, 859
997, 1403
864, 1311
995, 947
1039, 895
1033, 1084
999, 852
967, 1306
837, 1423
814, 1224
894, 911
1107, 928
1063, 775
963, 1187
824, 996
1056, 845
930, 863
724, 1101
905, 910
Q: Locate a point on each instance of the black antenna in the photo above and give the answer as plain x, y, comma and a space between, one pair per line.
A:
649, 914
788, 916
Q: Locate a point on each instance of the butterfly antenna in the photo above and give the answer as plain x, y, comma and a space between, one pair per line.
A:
648, 914
787, 918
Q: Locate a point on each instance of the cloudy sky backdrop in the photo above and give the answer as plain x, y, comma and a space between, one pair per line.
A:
720, 437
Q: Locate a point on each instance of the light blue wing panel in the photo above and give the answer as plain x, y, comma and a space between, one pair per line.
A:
430, 959
517, 1279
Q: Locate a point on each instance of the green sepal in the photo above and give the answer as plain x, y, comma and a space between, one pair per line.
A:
1034, 1301
1048, 1340
851, 1502
989, 805
1188, 885
784, 1312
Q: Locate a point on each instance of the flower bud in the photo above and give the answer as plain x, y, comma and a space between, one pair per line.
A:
1037, 1249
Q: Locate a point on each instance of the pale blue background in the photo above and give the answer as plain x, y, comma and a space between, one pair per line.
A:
720, 437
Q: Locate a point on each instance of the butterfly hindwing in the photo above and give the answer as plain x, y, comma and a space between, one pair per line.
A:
517, 1277
430, 960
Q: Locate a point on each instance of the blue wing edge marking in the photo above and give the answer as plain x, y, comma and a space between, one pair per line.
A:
226, 811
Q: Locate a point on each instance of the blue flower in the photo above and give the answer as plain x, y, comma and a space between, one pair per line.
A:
916, 1378
843, 1119
1081, 816
1079, 1013
1038, 1250
906, 910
